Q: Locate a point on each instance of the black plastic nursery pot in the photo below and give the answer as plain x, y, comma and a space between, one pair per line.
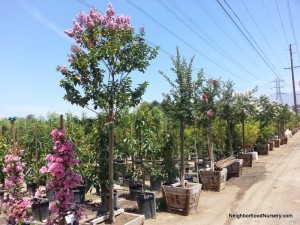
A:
40, 208
79, 194
146, 204
155, 183
1, 194
50, 195
105, 198
31, 187
134, 189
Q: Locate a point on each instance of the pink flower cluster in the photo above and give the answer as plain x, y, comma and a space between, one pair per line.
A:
210, 113
63, 69
18, 210
95, 18
62, 177
18, 207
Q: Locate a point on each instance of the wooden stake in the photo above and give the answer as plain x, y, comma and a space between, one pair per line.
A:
0, 130
61, 122
13, 131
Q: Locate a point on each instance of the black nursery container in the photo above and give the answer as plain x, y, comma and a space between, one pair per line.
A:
105, 199
31, 187
134, 189
1, 194
155, 183
40, 208
50, 195
146, 204
79, 194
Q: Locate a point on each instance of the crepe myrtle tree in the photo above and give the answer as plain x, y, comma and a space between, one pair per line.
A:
282, 114
210, 90
244, 104
181, 105
106, 52
226, 109
265, 116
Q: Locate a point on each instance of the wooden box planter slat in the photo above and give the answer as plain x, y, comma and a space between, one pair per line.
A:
235, 169
213, 180
263, 149
183, 200
276, 143
271, 145
247, 159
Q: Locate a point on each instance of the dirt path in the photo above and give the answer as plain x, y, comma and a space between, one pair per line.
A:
269, 189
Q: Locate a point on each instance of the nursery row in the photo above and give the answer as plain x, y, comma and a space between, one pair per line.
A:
202, 118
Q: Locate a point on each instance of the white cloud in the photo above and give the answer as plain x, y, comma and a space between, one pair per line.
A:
41, 19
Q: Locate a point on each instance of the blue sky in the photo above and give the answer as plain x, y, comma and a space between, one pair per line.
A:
33, 44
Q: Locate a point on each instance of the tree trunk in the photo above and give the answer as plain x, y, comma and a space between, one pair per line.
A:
229, 137
210, 145
182, 153
243, 131
111, 165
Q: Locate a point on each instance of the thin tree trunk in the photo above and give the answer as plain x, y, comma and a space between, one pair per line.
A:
111, 165
182, 153
243, 131
210, 145
229, 137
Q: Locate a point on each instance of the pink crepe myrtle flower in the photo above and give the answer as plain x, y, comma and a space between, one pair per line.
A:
44, 169
21, 152
63, 69
142, 28
38, 193
71, 58
94, 18
215, 82
204, 97
69, 32
110, 12
210, 113
75, 49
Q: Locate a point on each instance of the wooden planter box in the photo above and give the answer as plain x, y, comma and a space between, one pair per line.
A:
276, 143
294, 131
247, 159
263, 149
121, 218
213, 180
235, 169
285, 140
271, 145
281, 141
182, 200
